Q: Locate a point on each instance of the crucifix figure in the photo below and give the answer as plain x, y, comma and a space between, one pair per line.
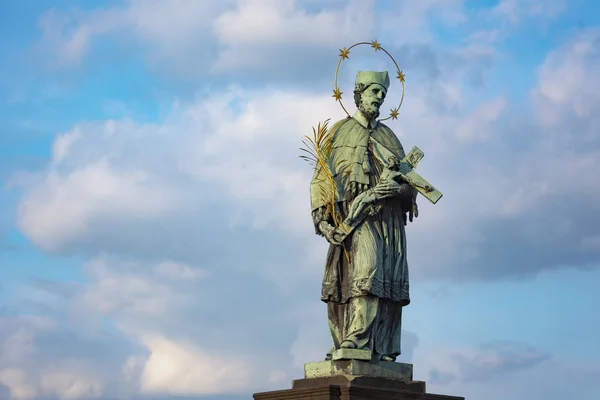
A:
374, 189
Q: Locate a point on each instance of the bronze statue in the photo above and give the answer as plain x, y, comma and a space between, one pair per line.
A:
363, 193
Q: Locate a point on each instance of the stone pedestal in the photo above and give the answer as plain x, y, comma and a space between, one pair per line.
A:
354, 368
355, 380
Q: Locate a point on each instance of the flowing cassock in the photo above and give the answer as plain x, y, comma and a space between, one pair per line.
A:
365, 297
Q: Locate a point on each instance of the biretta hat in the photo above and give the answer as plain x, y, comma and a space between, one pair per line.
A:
370, 77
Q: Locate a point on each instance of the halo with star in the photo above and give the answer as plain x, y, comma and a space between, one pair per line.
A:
345, 54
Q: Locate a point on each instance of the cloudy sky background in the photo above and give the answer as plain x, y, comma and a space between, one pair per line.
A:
155, 237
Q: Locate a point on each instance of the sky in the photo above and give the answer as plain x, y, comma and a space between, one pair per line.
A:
155, 231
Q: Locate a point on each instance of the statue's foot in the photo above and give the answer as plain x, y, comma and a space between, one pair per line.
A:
348, 344
388, 358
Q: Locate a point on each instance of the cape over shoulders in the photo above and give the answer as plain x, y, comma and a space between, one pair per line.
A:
343, 132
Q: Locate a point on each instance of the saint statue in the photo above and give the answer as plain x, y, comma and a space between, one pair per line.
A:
365, 284
363, 193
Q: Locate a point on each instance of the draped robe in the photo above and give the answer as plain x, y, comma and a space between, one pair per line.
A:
365, 297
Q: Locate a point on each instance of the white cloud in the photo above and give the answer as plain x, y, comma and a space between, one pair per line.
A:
496, 359
107, 177
69, 46
170, 28
482, 372
71, 385
26, 372
516, 11
478, 124
566, 150
125, 292
254, 29
166, 337
62, 145
178, 271
182, 369
188, 326
185, 35
267, 23
72, 201
409, 22
568, 81
265, 39
16, 382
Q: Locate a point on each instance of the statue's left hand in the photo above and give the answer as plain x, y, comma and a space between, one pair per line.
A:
333, 235
414, 212
413, 209
338, 236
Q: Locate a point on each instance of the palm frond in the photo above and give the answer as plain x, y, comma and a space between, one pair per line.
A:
318, 150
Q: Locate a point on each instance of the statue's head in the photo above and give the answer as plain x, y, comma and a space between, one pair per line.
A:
369, 92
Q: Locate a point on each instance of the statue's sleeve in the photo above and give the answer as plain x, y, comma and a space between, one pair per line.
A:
318, 202
319, 215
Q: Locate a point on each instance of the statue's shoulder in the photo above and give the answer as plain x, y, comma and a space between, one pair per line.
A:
386, 128
338, 125
388, 135
341, 129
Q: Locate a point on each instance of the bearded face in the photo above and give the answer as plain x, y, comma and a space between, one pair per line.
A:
371, 100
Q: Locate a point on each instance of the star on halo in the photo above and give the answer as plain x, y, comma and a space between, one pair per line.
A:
337, 94
400, 76
394, 113
375, 45
344, 53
